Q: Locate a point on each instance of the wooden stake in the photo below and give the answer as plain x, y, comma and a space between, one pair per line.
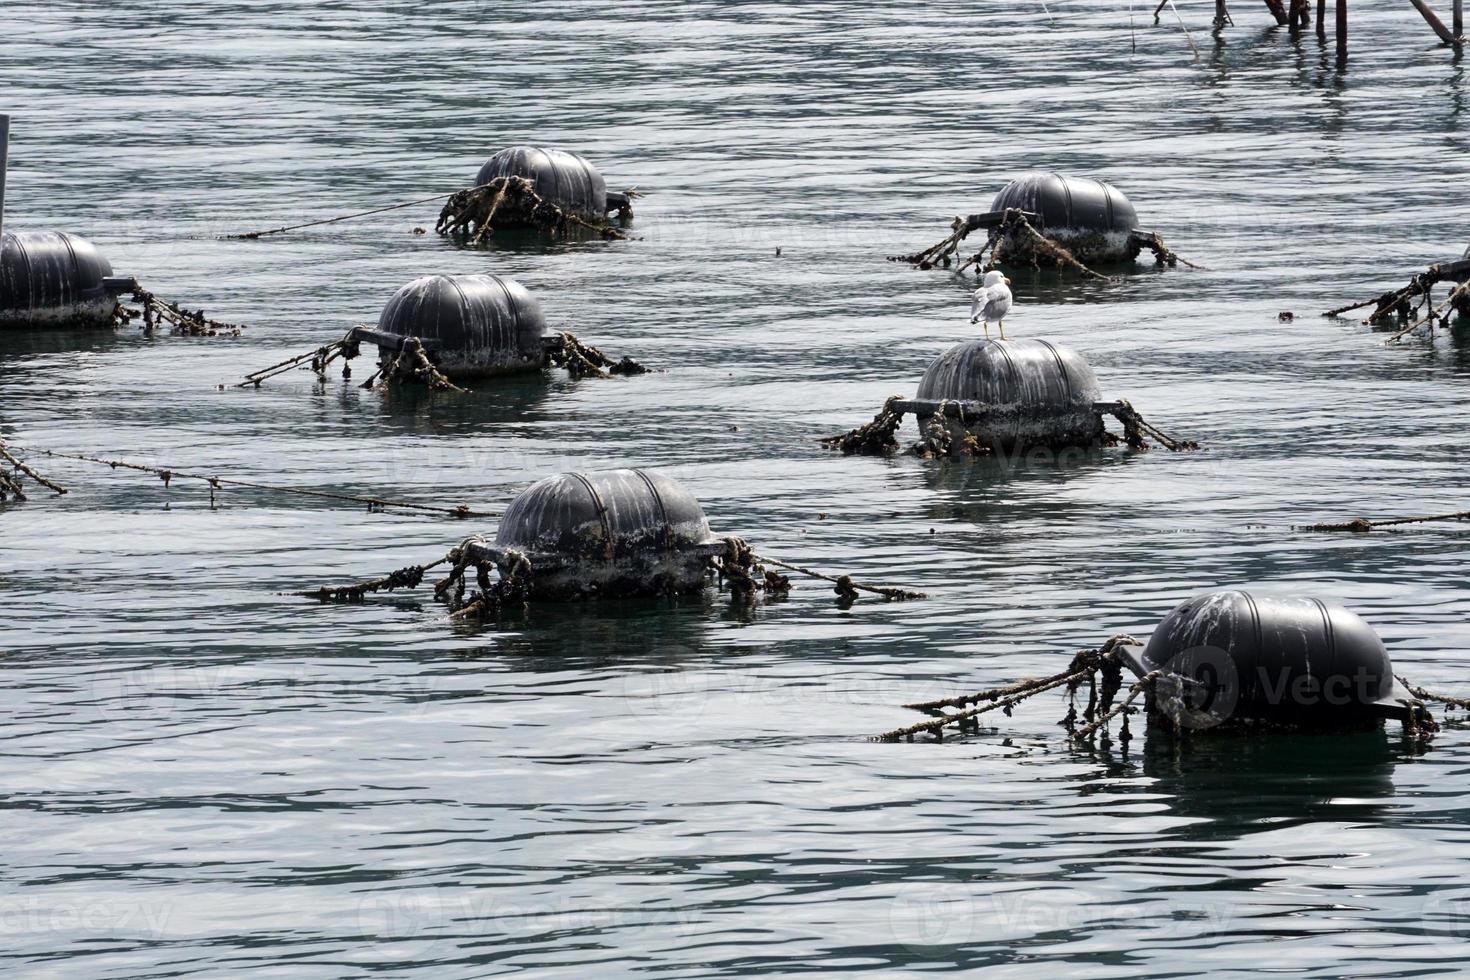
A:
1433, 21
1222, 15
1322, 19
1459, 22
1342, 44
1278, 11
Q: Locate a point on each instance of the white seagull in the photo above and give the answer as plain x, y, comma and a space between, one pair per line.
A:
992, 302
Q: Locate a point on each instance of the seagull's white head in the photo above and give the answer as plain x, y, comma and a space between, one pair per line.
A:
993, 278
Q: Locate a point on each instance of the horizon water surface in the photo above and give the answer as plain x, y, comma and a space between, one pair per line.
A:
205, 777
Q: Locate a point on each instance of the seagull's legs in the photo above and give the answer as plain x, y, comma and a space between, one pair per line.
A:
986, 325
1002, 325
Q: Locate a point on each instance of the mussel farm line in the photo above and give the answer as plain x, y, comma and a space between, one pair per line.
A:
1225, 663
10, 484
55, 280
1048, 220
1407, 305
993, 397
601, 535
437, 330
556, 192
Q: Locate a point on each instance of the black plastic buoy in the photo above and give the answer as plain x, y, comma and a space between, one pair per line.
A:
566, 179
51, 279
472, 326
1036, 393
614, 533
1090, 218
1264, 660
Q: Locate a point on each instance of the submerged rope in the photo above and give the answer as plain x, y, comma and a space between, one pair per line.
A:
217, 483
155, 313
1362, 525
347, 348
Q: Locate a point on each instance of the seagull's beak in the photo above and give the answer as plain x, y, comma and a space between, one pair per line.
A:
1008, 280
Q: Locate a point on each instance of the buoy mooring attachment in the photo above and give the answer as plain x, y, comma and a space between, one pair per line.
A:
550, 190
1050, 220
1001, 397
1413, 306
1226, 662
51, 279
437, 330
1234, 659
622, 533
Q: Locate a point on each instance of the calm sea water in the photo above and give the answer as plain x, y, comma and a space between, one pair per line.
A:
204, 777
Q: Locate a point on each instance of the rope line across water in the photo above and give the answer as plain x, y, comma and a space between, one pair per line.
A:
217, 482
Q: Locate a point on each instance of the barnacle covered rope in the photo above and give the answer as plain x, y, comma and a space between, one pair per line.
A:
744, 571
1424, 695
1032, 247
156, 313
1137, 429
1163, 255
509, 201
1362, 525
10, 484
340, 217
503, 580
408, 577
1101, 667
217, 483
411, 365
874, 438
585, 361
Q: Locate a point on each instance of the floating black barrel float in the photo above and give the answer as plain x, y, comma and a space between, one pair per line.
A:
986, 397
472, 326
611, 534
531, 187
50, 279
1047, 219
1227, 662
566, 179
1236, 659
438, 329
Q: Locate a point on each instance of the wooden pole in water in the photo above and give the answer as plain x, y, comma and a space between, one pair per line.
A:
1433, 21
1459, 21
1342, 47
1277, 11
1222, 16
1322, 18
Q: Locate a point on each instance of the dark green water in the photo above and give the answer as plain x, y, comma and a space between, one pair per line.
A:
202, 777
